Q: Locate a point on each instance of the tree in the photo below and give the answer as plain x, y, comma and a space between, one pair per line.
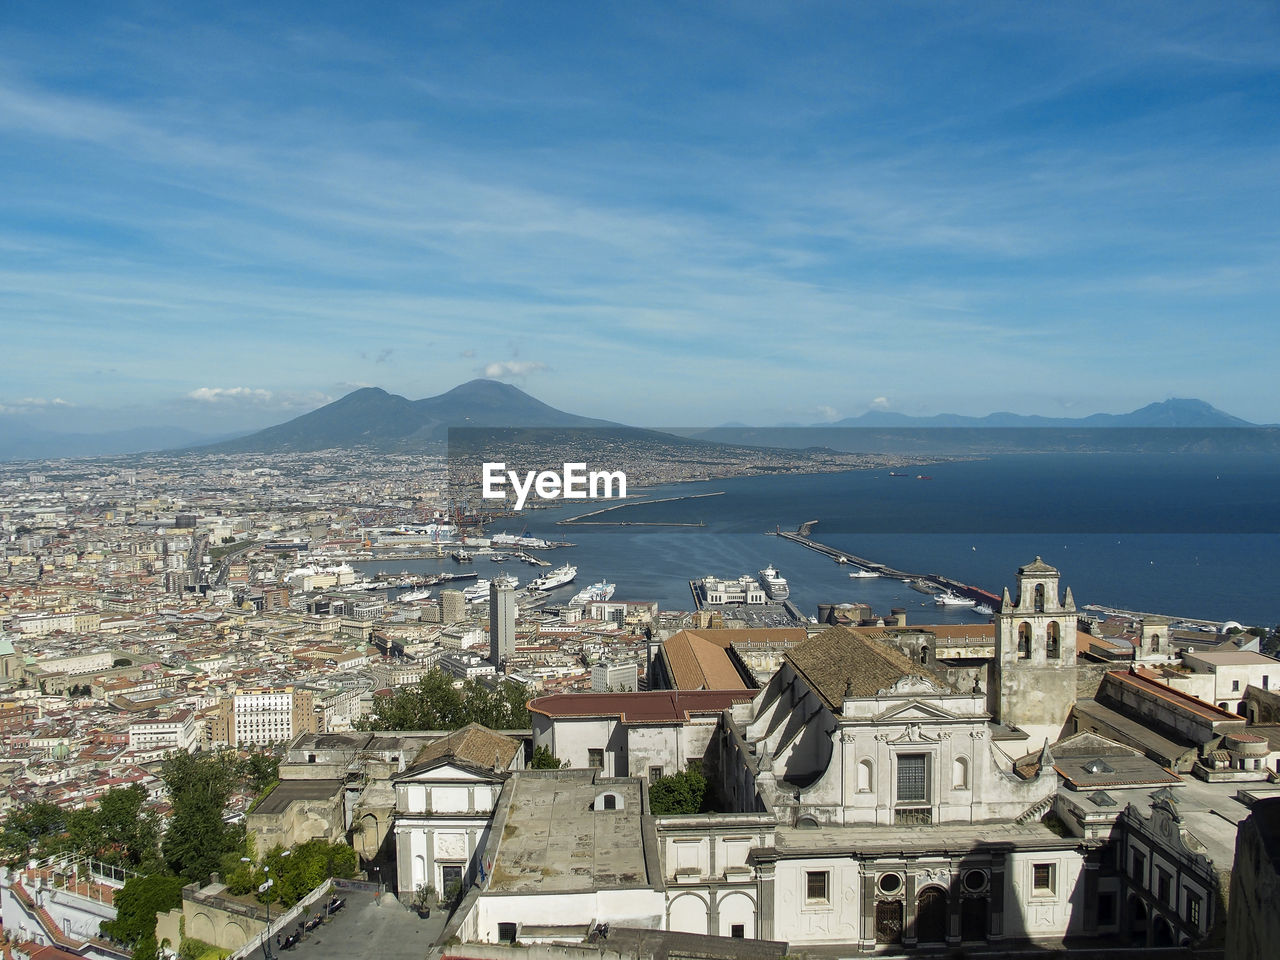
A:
32, 829
433, 703
259, 771
137, 904
544, 759
677, 794
199, 788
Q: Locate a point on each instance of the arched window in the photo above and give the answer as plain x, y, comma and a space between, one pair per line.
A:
924, 655
960, 774
1053, 642
607, 801
1039, 598
866, 776
1024, 640
610, 802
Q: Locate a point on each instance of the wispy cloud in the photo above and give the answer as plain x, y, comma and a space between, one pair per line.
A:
504, 369
224, 394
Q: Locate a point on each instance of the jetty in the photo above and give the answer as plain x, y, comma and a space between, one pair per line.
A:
931, 583
581, 519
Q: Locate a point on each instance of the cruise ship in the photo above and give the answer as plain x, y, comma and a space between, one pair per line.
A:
775, 587
861, 574
476, 592
949, 599
594, 593
556, 578
523, 542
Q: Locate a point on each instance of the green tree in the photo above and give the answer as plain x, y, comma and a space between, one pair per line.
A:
678, 793
433, 703
137, 904
544, 759
259, 771
32, 830
199, 788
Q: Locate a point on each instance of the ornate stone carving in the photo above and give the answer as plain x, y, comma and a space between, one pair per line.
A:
940, 875
909, 685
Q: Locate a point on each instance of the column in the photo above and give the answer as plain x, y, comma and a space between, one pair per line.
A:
996, 930
868, 932
909, 937
764, 899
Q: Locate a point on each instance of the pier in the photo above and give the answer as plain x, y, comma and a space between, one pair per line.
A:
924, 582
581, 519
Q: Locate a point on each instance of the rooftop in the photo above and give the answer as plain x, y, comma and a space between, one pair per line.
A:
658, 706
474, 744
840, 659
287, 791
552, 840
878, 840
701, 663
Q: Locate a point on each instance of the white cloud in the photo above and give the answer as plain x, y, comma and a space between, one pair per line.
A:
221, 394
512, 368
31, 404
828, 413
880, 403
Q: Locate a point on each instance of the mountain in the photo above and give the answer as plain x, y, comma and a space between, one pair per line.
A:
372, 417
1167, 413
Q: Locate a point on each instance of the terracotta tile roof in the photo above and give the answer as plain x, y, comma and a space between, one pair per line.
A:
658, 706
698, 663
840, 657
474, 744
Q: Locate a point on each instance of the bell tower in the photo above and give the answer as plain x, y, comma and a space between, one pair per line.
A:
1033, 686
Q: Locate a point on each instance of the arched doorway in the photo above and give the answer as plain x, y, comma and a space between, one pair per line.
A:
889, 921
931, 915
1162, 933
1137, 922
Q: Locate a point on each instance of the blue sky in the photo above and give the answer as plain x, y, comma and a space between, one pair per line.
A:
666, 214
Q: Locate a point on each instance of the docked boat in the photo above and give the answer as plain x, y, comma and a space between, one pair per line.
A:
413, 595
948, 599
775, 587
861, 574
595, 593
499, 558
521, 542
985, 610
476, 592
558, 577
462, 556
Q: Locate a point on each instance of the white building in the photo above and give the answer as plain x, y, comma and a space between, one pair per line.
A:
178, 731
745, 589
271, 715
611, 677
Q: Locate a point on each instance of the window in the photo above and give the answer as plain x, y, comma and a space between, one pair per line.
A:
738, 931
1106, 909
913, 786
1138, 867
1235, 685
1193, 910
654, 773
1039, 601
610, 801
815, 886
1042, 879
866, 776
1162, 886
960, 774
506, 933
1024, 641
1053, 641
595, 758
1266, 682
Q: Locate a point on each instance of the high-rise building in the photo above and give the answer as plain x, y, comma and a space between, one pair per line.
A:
453, 606
502, 619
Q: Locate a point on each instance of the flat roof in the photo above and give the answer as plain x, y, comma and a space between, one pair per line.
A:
287, 791
658, 706
1135, 732
883, 841
1175, 698
1231, 658
553, 841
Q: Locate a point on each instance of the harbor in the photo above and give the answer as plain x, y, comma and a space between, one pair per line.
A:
581, 519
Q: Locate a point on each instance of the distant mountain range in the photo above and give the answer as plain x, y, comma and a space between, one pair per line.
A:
373, 418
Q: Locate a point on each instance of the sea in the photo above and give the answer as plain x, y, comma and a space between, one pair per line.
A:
1183, 535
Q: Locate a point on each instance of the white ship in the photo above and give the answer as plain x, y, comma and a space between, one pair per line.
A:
948, 599
984, 609
476, 592
556, 578
593, 594
511, 540
775, 587
414, 595
861, 574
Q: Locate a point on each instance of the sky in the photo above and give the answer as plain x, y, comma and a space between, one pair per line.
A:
220, 216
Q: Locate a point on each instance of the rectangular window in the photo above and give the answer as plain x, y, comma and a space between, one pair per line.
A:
595, 758
738, 931
1042, 879
815, 889
1193, 910
1106, 909
1235, 685
1266, 682
1138, 868
654, 773
1162, 887
913, 779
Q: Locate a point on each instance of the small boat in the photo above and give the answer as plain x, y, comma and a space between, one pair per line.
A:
985, 610
947, 599
864, 575
461, 556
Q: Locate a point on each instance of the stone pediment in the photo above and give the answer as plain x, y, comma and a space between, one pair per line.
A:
915, 712
448, 770
910, 685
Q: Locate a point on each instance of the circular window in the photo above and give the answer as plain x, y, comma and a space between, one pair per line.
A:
890, 883
975, 880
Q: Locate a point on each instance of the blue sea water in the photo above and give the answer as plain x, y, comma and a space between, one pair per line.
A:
1184, 535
